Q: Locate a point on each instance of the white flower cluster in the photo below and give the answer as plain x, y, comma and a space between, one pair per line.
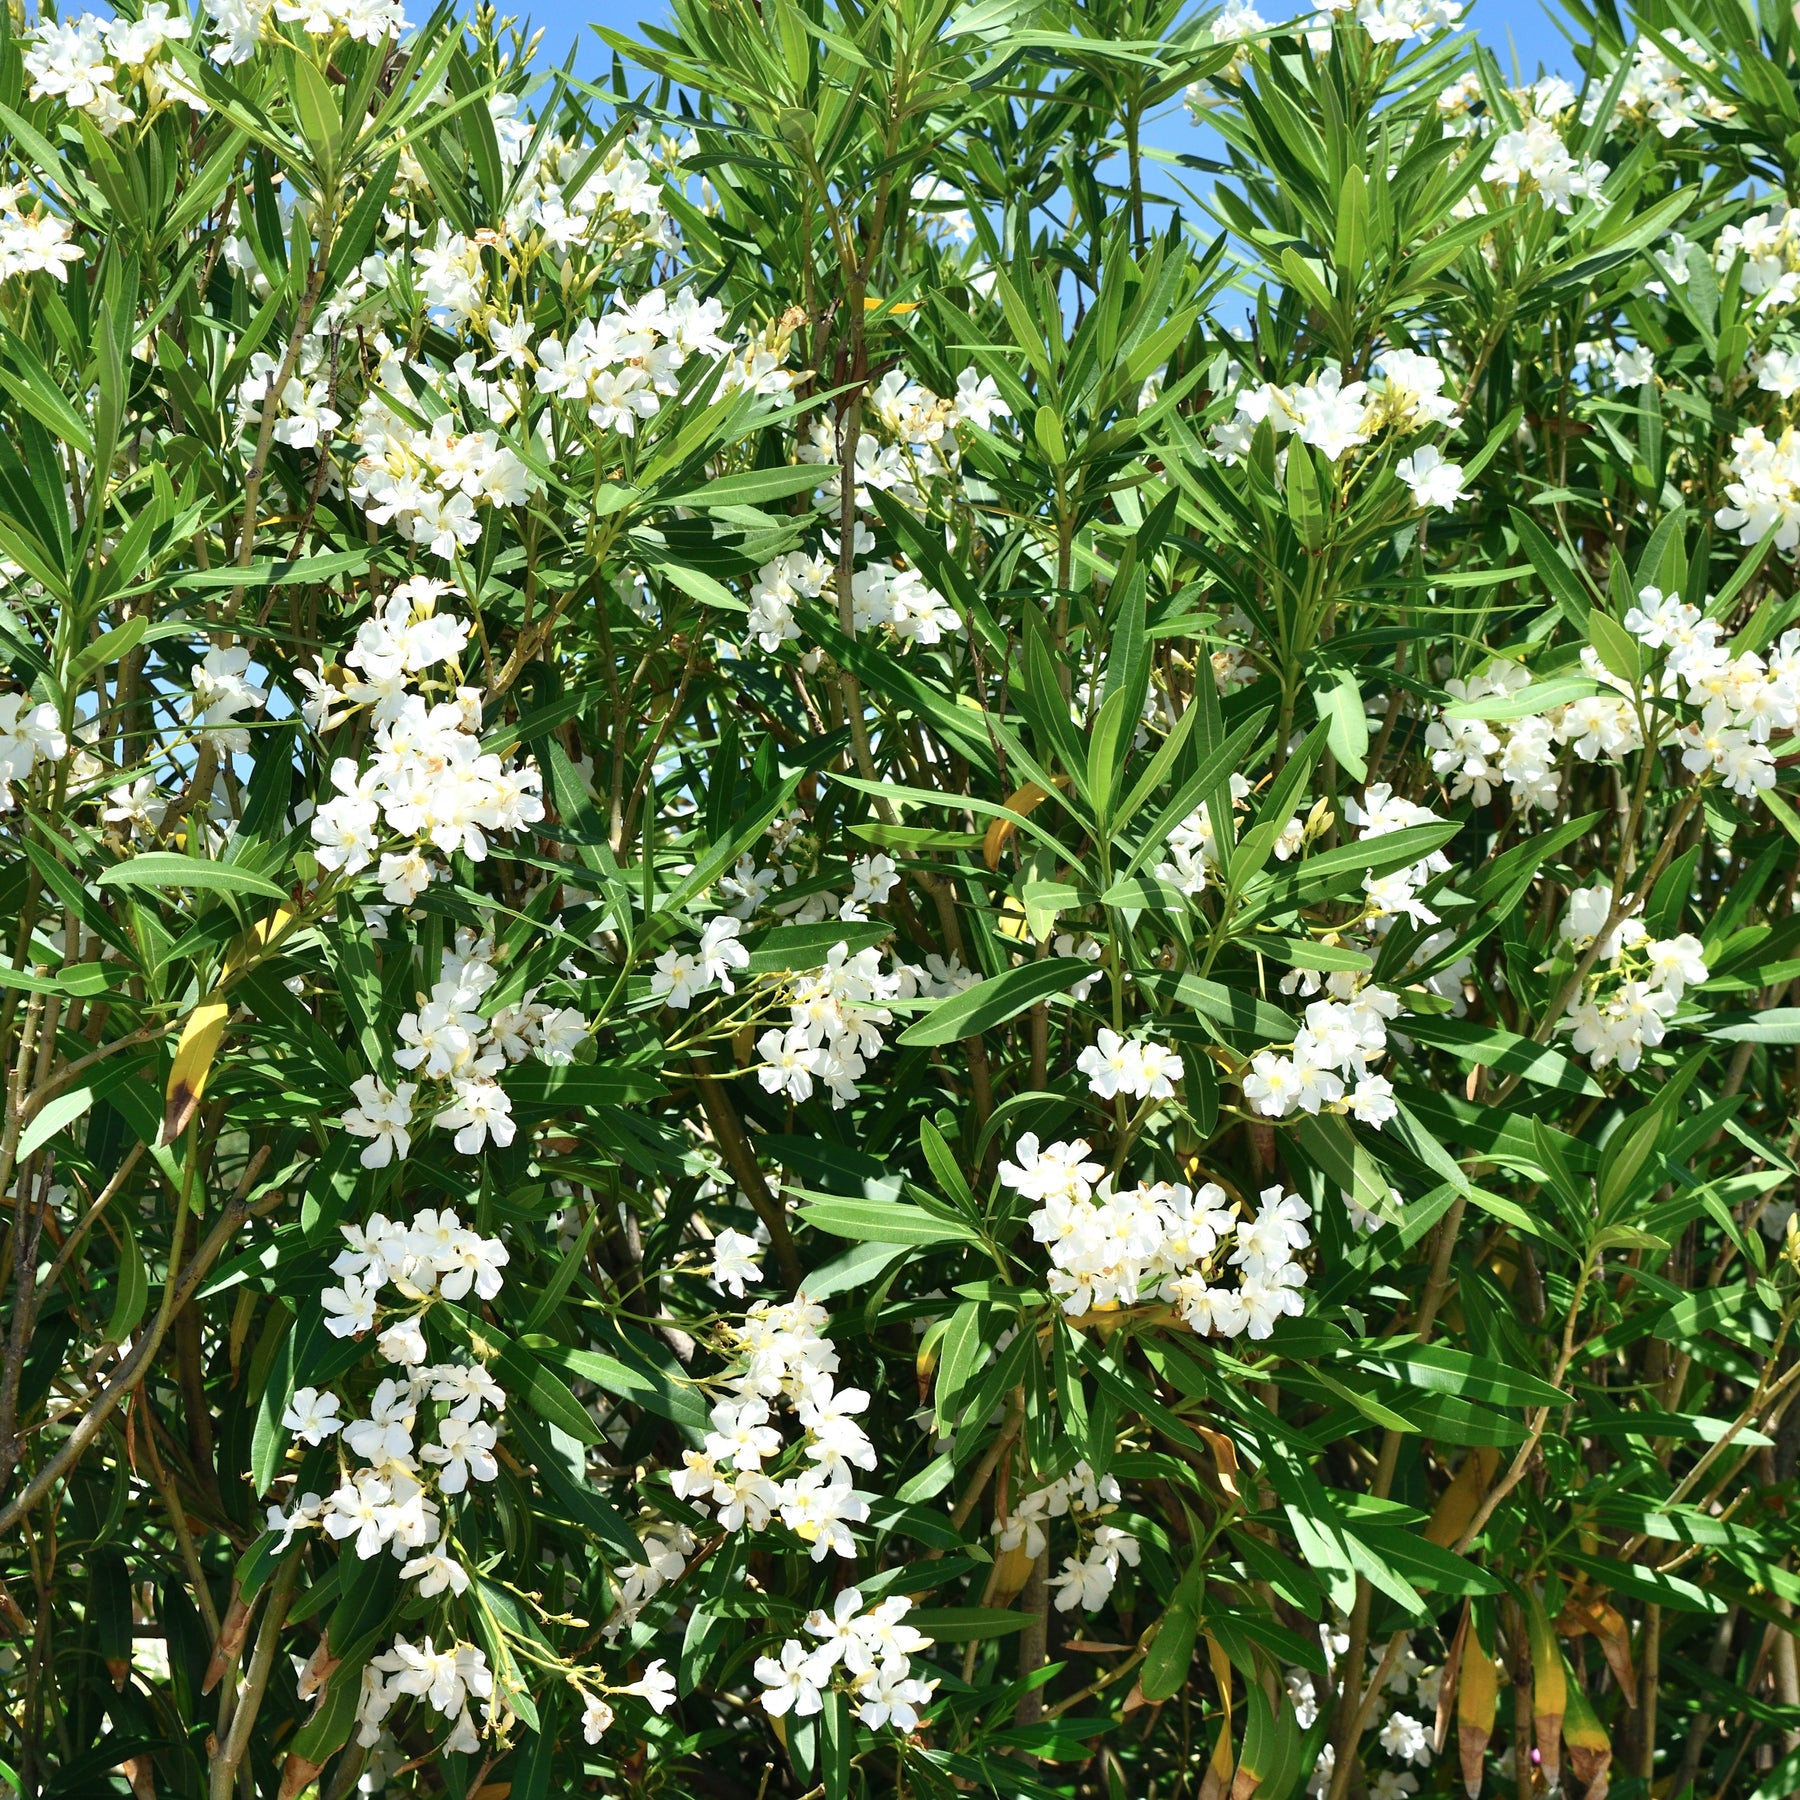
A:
1402, 1736
1330, 1058
1763, 488
562, 204
1191, 856
385, 1503
781, 585
883, 596
427, 483
1396, 894
35, 240
656, 1685
1087, 1578
873, 1647
1531, 159
921, 430
1744, 701
28, 732
1385, 21
86, 60
1635, 986
1657, 89
444, 1679
449, 1041
621, 367
1335, 417
836, 1013
682, 976
305, 417
435, 1257
1477, 755
429, 783
243, 24
222, 690
1534, 160
1110, 1249
1769, 243
1133, 1067
787, 1359
666, 1550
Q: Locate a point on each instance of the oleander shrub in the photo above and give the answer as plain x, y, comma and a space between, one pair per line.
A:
857, 944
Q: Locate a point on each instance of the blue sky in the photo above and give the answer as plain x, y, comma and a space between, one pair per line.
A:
1521, 33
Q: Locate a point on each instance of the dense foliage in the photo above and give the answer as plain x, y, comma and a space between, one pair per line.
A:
857, 946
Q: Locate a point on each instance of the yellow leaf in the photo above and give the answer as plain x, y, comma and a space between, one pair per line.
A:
1549, 1689
1025, 800
1456, 1505
1590, 1749
1477, 1693
199, 1044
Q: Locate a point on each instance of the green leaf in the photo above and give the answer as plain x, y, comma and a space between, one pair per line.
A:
167, 869
1616, 647
960, 1351
51, 1117
1443, 1370
638, 1381
1341, 707
966, 1624
1493, 1047
1334, 1148
1165, 1667
1649, 1585
131, 1296
1554, 570
1522, 703
884, 1222
999, 998
1305, 509
753, 487
1341, 870
1773, 1025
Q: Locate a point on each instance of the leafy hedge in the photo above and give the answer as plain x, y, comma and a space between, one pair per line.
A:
855, 945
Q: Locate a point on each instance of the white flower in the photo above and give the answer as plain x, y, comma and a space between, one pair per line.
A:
1135, 1067
720, 951
444, 1678
435, 1573
735, 1262
481, 1110
1433, 481
381, 1115
656, 1685
1405, 1737
1372, 1100
403, 1342
386, 1434
465, 1448
789, 1062
362, 1509
678, 979
302, 1516
819, 1509
793, 1683
352, 1309
311, 1415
